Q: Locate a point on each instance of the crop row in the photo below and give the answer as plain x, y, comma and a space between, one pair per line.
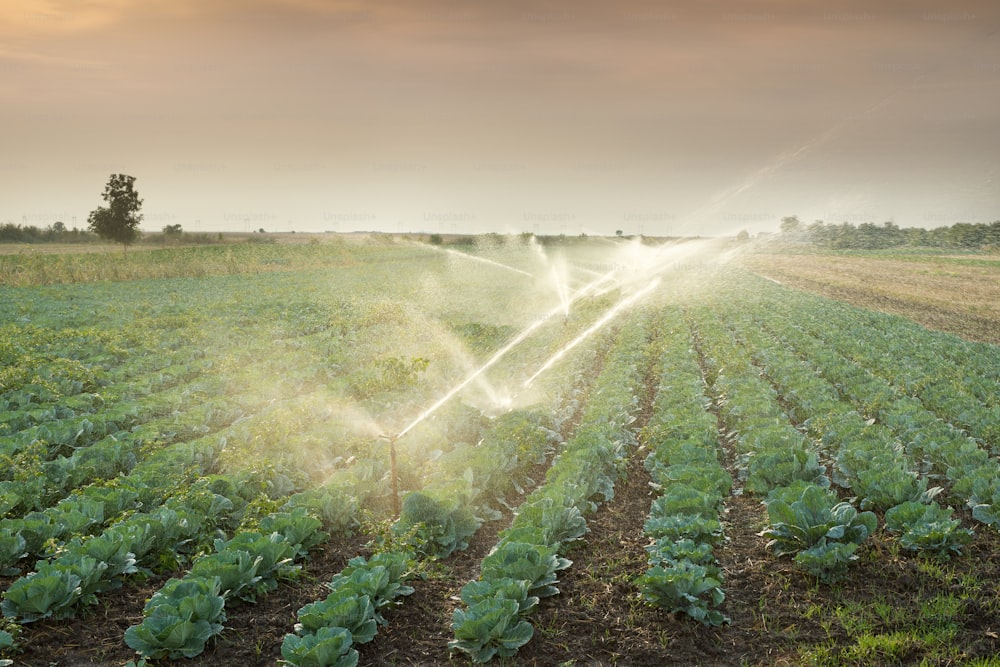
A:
112, 513
434, 522
523, 566
858, 419
957, 380
823, 392
683, 523
866, 457
931, 446
468, 483
806, 518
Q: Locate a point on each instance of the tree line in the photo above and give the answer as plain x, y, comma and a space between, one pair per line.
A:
871, 236
54, 233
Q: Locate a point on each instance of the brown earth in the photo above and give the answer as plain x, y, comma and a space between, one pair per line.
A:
955, 294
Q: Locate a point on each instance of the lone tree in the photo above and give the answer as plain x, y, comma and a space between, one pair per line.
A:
119, 221
791, 223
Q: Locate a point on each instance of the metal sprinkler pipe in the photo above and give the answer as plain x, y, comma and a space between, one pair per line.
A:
394, 477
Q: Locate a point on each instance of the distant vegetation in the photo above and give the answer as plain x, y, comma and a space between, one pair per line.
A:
842, 236
55, 233
58, 233
870, 236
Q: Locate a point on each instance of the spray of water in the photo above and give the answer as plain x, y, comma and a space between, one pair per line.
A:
604, 319
499, 354
562, 288
485, 260
644, 266
558, 273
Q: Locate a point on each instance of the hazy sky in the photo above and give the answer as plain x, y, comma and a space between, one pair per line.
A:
472, 116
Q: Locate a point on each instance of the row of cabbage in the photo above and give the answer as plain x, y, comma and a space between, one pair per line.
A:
865, 454
138, 486
856, 417
859, 362
933, 445
807, 520
151, 461
79, 407
523, 566
927, 448
435, 521
957, 380
52, 374
161, 431
36, 479
166, 510
467, 486
684, 521
470, 485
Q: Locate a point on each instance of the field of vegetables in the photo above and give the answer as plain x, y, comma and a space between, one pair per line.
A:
370, 451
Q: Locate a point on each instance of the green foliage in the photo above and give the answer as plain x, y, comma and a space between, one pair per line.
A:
337, 509
388, 374
868, 235
36, 528
984, 498
142, 536
340, 610
554, 517
119, 221
351, 610
679, 527
275, 554
533, 563
12, 549
437, 526
297, 527
683, 500
505, 587
48, 592
329, 647
806, 520
827, 560
112, 549
927, 528
399, 564
235, 570
684, 587
179, 620
813, 516
885, 484
705, 475
381, 579
668, 551
775, 468
78, 518
491, 627
90, 571
482, 337
6, 644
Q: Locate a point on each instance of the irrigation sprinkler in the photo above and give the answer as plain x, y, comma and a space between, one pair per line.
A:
392, 472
